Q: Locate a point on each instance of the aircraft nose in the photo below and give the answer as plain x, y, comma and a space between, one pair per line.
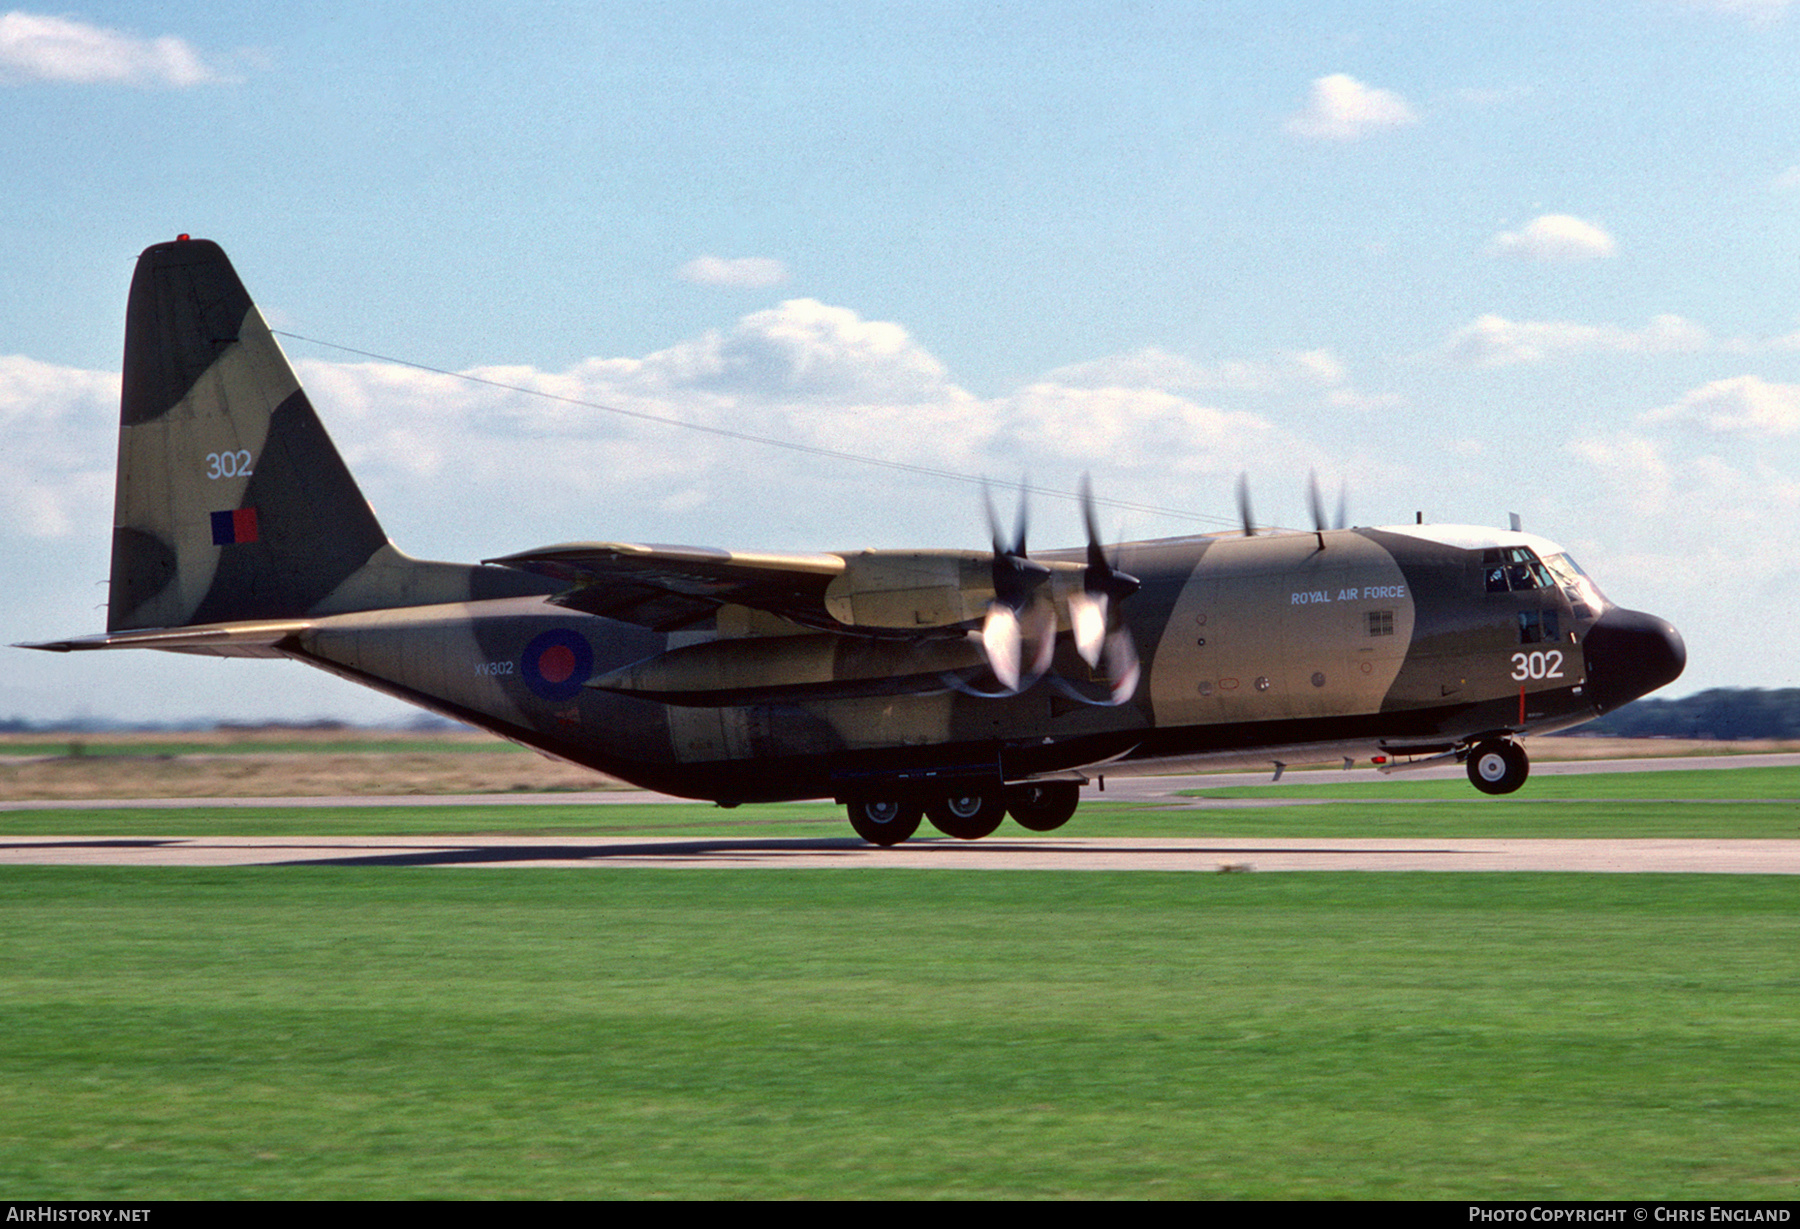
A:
1630, 654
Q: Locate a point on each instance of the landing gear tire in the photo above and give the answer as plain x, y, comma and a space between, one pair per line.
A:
883, 821
1498, 767
967, 817
1043, 806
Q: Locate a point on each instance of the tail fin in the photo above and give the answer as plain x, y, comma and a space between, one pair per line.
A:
232, 503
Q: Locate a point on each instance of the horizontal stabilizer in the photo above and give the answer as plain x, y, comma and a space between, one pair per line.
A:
258, 638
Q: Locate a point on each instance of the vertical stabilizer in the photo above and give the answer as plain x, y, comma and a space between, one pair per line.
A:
232, 503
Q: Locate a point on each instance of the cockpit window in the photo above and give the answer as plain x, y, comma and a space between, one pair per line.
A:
1513, 569
1582, 593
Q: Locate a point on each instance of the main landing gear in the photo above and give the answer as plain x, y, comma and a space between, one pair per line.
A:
1498, 766
967, 815
884, 821
1043, 806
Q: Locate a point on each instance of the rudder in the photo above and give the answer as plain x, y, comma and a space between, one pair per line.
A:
232, 503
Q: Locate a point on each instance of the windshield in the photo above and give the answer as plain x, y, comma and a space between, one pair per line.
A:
1582, 593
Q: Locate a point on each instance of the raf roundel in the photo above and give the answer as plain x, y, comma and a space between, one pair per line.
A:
557, 663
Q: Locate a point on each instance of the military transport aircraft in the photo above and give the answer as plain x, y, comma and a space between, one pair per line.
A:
958, 685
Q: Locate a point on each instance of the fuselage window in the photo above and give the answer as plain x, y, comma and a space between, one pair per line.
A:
1539, 626
1381, 623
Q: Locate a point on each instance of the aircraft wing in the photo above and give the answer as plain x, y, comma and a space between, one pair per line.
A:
668, 587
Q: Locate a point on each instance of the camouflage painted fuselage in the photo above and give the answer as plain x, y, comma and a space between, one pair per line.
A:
1272, 649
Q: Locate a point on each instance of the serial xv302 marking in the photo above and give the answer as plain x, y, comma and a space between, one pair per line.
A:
961, 685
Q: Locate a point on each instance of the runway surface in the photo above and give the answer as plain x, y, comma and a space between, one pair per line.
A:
1744, 857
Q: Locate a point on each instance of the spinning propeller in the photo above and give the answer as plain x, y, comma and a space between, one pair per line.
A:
1320, 524
1020, 615
1099, 631
1018, 635
1318, 504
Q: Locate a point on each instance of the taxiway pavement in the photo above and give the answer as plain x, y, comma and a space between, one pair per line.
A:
1640, 856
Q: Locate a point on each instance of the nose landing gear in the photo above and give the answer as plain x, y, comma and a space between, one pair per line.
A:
1498, 766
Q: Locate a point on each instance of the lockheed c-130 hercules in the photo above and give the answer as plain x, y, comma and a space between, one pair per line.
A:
958, 685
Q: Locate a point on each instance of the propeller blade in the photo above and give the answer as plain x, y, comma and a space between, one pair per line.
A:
1122, 665
1003, 645
1087, 612
1019, 522
1016, 578
993, 519
1318, 505
1244, 512
1096, 557
1037, 628
1101, 580
1101, 636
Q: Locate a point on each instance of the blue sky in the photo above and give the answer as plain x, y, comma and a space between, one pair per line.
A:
1466, 259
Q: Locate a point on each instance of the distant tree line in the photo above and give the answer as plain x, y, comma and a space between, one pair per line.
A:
1725, 713
423, 723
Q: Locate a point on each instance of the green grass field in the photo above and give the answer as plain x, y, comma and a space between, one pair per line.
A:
312, 1032
1716, 803
323, 1032
1705, 784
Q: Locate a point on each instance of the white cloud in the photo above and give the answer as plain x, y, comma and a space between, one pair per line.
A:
1341, 108
1322, 365
1153, 367
1677, 518
1495, 341
805, 348
42, 393
745, 272
1788, 180
35, 47
1635, 468
1129, 428
60, 425
807, 373
1742, 404
1556, 237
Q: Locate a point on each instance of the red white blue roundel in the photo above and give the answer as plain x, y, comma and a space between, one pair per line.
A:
557, 663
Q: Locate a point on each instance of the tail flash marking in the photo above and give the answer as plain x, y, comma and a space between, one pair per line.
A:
235, 526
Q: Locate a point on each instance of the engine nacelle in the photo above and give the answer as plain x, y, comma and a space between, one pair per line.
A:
911, 589
903, 590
